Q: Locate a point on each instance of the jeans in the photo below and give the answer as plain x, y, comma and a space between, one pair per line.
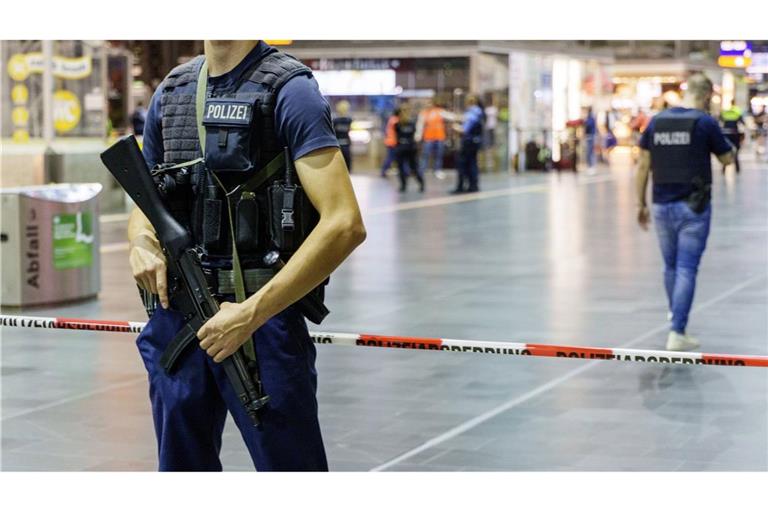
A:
435, 149
682, 237
391, 157
590, 150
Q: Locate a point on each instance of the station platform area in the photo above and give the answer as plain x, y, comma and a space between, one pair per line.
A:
536, 258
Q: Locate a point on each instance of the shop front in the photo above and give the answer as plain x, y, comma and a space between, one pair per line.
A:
549, 94
55, 114
374, 87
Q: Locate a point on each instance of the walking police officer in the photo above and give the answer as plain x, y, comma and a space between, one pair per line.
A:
731, 118
237, 108
676, 148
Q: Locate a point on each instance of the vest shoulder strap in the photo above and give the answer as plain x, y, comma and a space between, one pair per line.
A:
276, 69
184, 73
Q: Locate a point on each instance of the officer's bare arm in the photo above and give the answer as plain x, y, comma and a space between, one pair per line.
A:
726, 158
326, 182
643, 170
146, 258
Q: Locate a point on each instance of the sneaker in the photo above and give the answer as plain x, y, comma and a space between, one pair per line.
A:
440, 174
681, 342
669, 316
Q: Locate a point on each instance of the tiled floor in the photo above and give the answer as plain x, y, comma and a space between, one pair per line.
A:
533, 258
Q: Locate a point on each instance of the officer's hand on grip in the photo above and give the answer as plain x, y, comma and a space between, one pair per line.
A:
148, 265
227, 330
643, 217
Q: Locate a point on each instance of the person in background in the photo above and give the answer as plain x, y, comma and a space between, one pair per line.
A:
489, 141
590, 132
471, 132
390, 141
761, 127
431, 127
341, 126
730, 120
138, 119
676, 148
406, 149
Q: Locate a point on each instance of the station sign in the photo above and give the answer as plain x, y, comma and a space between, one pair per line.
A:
21, 65
353, 64
735, 54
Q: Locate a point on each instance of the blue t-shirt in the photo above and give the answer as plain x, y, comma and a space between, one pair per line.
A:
590, 127
302, 115
472, 127
706, 138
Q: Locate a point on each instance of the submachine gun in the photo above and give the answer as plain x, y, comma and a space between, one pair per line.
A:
187, 285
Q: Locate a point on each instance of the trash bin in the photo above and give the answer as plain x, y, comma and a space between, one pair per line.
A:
49, 243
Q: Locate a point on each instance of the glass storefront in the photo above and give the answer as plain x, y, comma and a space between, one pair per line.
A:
374, 87
77, 92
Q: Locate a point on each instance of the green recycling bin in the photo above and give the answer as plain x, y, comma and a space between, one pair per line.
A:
49, 243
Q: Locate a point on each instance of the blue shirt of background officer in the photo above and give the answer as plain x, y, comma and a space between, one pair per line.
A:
302, 121
682, 231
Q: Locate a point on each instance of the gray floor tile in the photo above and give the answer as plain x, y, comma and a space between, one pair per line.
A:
563, 265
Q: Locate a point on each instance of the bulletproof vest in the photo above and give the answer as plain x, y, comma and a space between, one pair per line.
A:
341, 126
406, 132
241, 140
671, 149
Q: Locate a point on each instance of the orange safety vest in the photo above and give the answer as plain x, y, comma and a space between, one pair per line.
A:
391, 139
434, 125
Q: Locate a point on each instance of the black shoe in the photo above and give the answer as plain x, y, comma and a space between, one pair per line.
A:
475, 189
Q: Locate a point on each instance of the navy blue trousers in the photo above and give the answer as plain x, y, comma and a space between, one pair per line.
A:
189, 407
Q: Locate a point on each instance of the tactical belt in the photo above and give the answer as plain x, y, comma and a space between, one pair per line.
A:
222, 282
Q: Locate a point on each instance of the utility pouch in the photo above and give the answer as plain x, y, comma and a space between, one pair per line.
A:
281, 199
212, 211
247, 223
227, 122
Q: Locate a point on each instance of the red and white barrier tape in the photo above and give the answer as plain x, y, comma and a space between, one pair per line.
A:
483, 347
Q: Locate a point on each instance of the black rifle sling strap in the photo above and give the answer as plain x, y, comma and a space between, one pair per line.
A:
260, 178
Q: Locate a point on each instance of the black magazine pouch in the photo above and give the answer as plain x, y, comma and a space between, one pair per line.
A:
227, 122
247, 223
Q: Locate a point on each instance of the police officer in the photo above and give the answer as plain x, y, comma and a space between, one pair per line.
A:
471, 131
730, 119
258, 101
342, 123
676, 148
406, 150
390, 141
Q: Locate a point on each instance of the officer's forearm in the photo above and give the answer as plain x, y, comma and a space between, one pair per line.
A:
643, 169
139, 227
327, 246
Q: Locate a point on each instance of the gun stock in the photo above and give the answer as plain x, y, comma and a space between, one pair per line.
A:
126, 163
